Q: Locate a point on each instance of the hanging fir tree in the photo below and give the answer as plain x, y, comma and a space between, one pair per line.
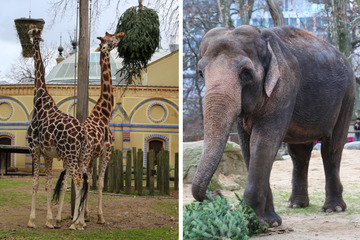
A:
142, 33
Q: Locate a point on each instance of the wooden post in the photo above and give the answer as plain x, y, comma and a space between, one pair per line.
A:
113, 172
94, 175
147, 171
160, 171
118, 157
73, 197
128, 173
121, 172
140, 164
151, 155
176, 176
166, 172
135, 166
111, 182
83, 72
106, 176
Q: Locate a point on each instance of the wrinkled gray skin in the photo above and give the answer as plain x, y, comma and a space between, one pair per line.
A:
278, 84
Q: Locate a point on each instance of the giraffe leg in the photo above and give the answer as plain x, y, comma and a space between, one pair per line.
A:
80, 188
90, 173
35, 187
61, 204
104, 162
48, 186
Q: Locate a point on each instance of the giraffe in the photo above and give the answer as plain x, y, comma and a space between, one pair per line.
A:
97, 124
54, 134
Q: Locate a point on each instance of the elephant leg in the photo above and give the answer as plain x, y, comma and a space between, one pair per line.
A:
331, 151
244, 138
257, 193
300, 155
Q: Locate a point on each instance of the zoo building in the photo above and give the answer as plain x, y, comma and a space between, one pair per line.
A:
145, 115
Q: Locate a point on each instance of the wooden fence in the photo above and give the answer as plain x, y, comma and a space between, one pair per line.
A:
137, 178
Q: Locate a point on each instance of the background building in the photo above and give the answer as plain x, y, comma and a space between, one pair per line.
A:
144, 116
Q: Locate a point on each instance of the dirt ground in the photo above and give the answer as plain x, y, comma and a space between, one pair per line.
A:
120, 212
315, 224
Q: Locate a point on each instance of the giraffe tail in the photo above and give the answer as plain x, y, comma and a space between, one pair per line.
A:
85, 189
58, 186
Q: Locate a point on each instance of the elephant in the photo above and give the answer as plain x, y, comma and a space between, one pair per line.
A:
280, 84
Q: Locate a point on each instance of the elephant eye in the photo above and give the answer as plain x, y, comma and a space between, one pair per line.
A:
245, 76
201, 74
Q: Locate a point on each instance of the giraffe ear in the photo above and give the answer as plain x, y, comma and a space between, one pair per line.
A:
97, 49
100, 38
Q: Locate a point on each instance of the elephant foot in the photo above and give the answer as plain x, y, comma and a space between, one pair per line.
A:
31, 224
334, 205
217, 192
49, 225
57, 224
272, 219
298, 202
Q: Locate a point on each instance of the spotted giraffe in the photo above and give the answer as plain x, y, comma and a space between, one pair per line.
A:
54, 134
97, 123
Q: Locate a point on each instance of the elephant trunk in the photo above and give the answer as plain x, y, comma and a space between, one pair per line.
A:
219, 116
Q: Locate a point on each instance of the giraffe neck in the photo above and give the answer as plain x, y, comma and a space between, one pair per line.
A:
106, 81
41, 97
39, 68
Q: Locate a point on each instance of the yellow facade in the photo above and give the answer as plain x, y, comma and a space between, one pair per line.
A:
141, 114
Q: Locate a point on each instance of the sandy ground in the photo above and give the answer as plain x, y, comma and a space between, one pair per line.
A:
313, 225
120, 211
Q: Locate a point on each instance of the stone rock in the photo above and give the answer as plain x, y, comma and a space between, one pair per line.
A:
352, 146
231, 173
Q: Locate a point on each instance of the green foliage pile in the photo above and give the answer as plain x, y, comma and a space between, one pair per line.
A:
217, 219
142, 34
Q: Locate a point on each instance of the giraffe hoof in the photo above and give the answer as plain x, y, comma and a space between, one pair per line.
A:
57, 224
72, 227
31, 224
100, 220
49, 225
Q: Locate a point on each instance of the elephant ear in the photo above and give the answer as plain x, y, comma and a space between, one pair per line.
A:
273, 73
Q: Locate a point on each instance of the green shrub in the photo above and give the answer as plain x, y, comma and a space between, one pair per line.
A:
217, 219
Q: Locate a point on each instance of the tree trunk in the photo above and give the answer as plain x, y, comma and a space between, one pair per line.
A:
224, 9
245, 10
276, 13
341, 28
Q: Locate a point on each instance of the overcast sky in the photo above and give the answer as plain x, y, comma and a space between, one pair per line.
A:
64, 25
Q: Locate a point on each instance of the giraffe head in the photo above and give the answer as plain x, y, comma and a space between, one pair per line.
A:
34, 34
110, 41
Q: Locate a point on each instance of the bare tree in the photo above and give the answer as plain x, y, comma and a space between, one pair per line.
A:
245, 10
276, 13
168, 11
199, 17
23, 70
224, 9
